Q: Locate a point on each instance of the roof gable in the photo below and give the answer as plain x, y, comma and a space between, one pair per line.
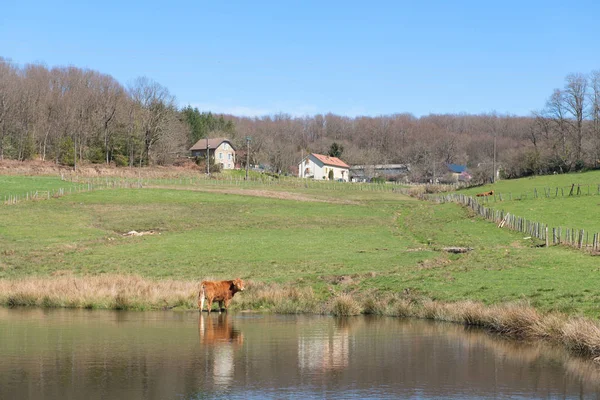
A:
212, 143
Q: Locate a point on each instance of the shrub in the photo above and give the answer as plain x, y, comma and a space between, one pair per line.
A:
121, 160
344, 305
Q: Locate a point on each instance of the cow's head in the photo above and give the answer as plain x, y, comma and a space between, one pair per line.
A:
238, 285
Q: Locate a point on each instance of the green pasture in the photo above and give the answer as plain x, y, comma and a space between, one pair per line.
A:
20, 185
333, 240
558, 209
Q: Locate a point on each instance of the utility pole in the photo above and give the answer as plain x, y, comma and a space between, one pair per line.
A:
494, 163
207, 157
302, 163
248, 139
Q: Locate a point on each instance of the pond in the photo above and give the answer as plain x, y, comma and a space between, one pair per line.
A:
85, 354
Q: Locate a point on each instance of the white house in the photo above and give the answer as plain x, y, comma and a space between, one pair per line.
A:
318, 166
221, 149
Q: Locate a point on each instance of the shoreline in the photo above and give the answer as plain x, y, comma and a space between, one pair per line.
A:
518, 321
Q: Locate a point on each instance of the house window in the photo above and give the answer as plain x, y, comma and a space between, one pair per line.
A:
220, 155
229, 156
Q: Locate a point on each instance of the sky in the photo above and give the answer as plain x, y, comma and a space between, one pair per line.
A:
352, 58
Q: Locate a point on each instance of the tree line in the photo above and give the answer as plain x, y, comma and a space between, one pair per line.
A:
71, 115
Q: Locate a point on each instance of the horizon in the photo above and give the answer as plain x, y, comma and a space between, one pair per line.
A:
306, 59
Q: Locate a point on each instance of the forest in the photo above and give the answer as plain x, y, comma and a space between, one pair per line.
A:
71, 116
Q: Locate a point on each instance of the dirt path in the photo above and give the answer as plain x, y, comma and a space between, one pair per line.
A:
273, 194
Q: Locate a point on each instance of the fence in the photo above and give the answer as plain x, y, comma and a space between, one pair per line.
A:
574, 190
98, 183
12, 199
577, 238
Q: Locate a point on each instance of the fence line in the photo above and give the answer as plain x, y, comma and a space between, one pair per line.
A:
12, 199
98, 183
573, 190
577, 238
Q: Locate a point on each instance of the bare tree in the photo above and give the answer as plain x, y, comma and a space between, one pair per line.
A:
575, 94
8, 83
155, 104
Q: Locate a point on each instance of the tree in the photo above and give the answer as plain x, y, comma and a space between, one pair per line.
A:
335, 150
155, 104
203, 124
575, 94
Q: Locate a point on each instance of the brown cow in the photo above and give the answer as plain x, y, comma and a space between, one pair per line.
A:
221, 291
490, 193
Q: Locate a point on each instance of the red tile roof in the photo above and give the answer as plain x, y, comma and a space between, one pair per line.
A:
327, 160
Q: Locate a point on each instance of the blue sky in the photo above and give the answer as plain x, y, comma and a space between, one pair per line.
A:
306, 57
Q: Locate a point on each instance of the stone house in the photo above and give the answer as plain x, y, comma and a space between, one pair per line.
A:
220, 148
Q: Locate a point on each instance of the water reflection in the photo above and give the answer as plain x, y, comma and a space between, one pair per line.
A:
63, 354
219, 337
324, 347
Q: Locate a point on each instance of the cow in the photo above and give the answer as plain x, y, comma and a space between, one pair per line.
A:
490, 193
220, 291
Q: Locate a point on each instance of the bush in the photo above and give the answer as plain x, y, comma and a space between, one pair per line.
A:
344, 305
67, 152
121, 160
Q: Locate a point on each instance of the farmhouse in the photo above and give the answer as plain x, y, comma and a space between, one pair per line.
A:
220, 148
321, 167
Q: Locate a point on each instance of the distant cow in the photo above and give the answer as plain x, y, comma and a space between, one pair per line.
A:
220, 291
490, 193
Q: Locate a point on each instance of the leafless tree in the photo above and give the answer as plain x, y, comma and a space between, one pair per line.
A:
155, 106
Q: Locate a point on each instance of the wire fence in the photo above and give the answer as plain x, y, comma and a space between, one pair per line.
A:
573, 190
577, 238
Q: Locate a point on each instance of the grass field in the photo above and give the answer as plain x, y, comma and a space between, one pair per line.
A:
577, 211
330, 241
16, 185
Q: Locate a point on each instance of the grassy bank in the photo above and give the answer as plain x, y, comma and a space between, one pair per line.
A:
515, 320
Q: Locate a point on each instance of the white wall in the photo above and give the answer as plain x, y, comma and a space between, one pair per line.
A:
225, 155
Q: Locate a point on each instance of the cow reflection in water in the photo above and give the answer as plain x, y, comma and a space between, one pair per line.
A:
217, 334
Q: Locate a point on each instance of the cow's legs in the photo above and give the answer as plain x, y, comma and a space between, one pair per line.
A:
201, 301
220, 305
201, 296
209, 305
227, 301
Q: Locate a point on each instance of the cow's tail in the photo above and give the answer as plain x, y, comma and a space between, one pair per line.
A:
201, 296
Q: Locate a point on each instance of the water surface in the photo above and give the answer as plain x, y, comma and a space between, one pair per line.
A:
81, 354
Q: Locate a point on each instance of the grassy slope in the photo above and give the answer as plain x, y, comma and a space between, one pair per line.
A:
377, 240
572, 212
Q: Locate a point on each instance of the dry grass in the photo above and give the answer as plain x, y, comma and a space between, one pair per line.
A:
38, 167
106, 291
515, 320
344, 305
287, 299
581, 336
